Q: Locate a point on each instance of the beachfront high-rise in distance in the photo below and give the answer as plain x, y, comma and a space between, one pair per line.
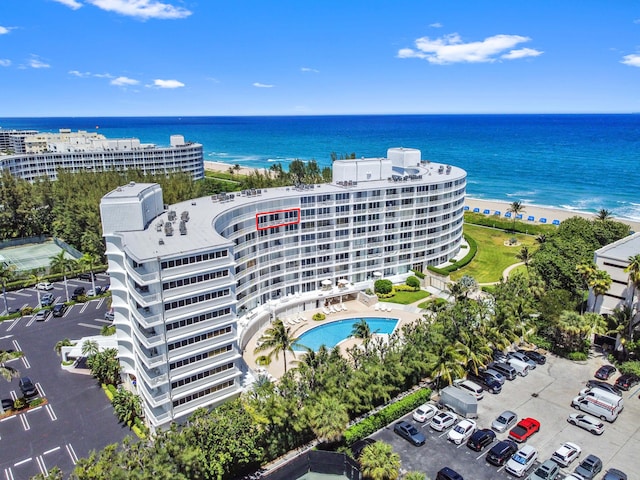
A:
30, 155
192, 282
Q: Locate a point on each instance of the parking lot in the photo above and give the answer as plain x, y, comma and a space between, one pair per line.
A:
64, 429
545, 394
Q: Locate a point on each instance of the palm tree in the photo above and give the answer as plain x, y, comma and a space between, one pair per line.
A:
362, 331
7, 273
599, 283
633, 269
515, 208
62, 264
8, 372
90, 348
278, 338
603, 215
542, 238
127, 406
449, 364
380, 462
525, 256
62, 343
328, 418
88, 261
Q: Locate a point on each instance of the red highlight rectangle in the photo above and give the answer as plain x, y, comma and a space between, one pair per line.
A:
279, 220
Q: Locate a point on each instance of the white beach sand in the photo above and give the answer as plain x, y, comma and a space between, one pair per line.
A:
537, 212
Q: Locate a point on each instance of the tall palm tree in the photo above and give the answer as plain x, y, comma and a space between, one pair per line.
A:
633, 269
603, 215
90, 348
362, 331
88, 261
278, 338
328, 418
60, 263
380, 462
449, 364
542, 238
515, 208
525, 256
62, 343
7, 273
600, 283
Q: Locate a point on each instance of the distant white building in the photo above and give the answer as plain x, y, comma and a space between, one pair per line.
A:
613, 259
36, 154
192, 282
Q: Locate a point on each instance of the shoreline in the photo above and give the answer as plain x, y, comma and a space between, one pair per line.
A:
537, 211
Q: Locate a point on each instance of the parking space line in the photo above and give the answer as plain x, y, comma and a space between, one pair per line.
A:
7, 418
25, 422
102, 320
40, 389
54, 449
22, 294
51, 412
97, 327
30, 322
21, 462
41, 465
72, 453
13, 324
17, 345
25, 362
35, 409
84, 307
8, 474
99, 303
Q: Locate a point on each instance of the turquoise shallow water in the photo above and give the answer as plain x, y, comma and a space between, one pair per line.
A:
579, 162
330, 334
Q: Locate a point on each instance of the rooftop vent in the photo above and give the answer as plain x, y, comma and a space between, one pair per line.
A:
172, 215
168, 229
183, 228
184, 216
161, 242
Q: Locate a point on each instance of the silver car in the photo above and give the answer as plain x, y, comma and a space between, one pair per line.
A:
505, 421
582, 420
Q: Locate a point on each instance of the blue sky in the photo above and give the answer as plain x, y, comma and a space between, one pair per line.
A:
316, 57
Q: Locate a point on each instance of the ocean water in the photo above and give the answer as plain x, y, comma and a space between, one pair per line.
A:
578, 162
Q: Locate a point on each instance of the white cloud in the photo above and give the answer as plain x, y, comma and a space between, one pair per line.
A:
35, 62
5, 62
637, 20
307, 69
77, 73
143, 9
124, 81
5, 30
72, 4
451, 49
521, 53
167, 83
262, 85
436, 25
632, 60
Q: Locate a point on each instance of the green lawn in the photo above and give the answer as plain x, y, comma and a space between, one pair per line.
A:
405, 298
493, 256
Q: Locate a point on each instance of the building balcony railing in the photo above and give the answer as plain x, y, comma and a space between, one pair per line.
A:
151, 379
148, 340
158, 420
141, 275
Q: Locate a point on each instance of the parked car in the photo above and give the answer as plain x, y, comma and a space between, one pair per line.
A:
442, 420
524, 429
604, 386
490, 372
505, 420
87, 276
522, 461
480, 439
537, 357
7, 404
447, 473
44, 286
501, 452
79, 291
471, 388
409, 433
47, 299
359, 446
462, 431
589, 467
59, 309
605, 372
109, 315
627, 380
523, 358
566, 454
422, 414
549, 470
582, 420
499, 356
27, 387
614, 474
42, 315
487, 382
94, 293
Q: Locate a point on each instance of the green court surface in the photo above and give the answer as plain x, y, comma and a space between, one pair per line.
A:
31, 256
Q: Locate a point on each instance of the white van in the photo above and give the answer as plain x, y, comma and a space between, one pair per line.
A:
520, 367
470, 387
597, 408
603, 396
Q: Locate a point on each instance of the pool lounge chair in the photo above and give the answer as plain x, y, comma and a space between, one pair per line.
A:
556, 222
519, 216
486, 211
376, 307
466, 207
476, 210
497, 212
325, 310
507, 215
531, 218
332, 309
543, 220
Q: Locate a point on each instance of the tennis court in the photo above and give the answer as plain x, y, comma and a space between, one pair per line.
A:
31, 256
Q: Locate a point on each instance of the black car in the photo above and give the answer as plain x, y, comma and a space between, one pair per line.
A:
499, 356
359, 446
481, 439
614, 474
604, 386
605, 372
447, 473
627, 380
59, 309
487, 382
501, 452
7, 404
27, 387
77, 293
537, 357
409, 432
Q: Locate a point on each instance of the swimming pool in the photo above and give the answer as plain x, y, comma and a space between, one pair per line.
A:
331, 334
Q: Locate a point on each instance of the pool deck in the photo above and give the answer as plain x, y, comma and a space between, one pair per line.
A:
355, 309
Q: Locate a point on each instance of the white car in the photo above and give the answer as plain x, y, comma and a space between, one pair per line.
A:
442, 420
462, 431
573, 476
425, 412
587, 422
522, 461
44, 286
566, 454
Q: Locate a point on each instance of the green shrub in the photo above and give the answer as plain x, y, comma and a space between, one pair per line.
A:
630, 367
19, 403
418, 274
541, 342
139, 433
36, 401
383, 286
406, 288
413, 282
26, 311
385, 416
318, 317
577, 356
473, 249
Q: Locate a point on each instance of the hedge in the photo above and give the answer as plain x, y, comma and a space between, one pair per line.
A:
418, 274
473, 249
384, 417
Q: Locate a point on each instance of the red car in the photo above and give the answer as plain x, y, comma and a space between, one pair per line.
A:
524, 429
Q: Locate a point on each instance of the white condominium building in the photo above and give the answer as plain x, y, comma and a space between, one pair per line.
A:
35, 155
192, 281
